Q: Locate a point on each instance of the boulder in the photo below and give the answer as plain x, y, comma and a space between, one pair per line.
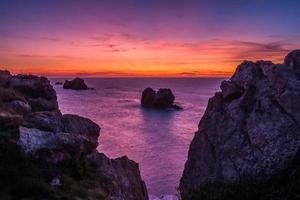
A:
75, 84
248, 139
122, 176
82, 126
164, 98
292, 60
161, 99
53, 147
148, 97
45, 120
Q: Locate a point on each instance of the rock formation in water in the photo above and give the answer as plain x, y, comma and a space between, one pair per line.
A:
247, 144
47, 155
75, 84
163, 98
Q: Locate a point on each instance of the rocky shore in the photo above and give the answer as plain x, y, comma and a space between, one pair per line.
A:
47, 155
248, 142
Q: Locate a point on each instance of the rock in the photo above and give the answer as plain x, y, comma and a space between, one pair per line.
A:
58, 83
18, 106
33, 86
4, 77
230, 91
164, 98
292, 60
53, 147
82, 126
36, 90
123, 177
248, 137
56, 181
45, 120
148, 97
75, 84
161, 99
45, 154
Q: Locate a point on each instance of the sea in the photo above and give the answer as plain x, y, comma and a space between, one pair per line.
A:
157, 139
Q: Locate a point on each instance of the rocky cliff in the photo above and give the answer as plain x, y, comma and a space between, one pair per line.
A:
247, 143
47, 155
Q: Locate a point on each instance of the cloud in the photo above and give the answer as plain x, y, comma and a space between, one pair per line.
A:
51, 39
35, 56
206, 73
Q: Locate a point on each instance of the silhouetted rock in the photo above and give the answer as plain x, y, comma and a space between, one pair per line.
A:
125, 182
75, 84
58, 83
292, 60
4, 77
148, 97
161, 99
47, 155
248, 141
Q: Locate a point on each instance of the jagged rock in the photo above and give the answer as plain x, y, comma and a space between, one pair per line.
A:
245, 145
45, 155
161, 99
45, 120
75, 84
230, 91
36, 90
54, 147
122, 176
4, 77
292, 60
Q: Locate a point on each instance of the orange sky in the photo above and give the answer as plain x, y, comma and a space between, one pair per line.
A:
143, 39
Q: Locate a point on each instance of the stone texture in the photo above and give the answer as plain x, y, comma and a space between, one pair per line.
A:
121, 174
249, 131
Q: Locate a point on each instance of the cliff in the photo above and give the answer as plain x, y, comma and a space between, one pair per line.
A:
247, 143
47, 155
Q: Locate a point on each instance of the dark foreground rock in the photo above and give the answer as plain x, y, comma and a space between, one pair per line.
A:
75, 84
47, 155
247, 144
163, 98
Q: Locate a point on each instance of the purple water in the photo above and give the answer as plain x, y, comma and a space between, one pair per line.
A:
157, 140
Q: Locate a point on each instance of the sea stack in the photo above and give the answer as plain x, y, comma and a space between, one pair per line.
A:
75, 84
162, 99
47, 155
248, 141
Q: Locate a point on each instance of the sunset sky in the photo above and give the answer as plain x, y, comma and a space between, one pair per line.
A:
144, 38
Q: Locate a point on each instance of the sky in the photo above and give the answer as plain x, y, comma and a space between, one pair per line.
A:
144, 38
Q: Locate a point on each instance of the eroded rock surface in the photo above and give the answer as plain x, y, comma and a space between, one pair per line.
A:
247, 144
47, 155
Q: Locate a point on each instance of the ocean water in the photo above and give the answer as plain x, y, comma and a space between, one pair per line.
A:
157, 140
